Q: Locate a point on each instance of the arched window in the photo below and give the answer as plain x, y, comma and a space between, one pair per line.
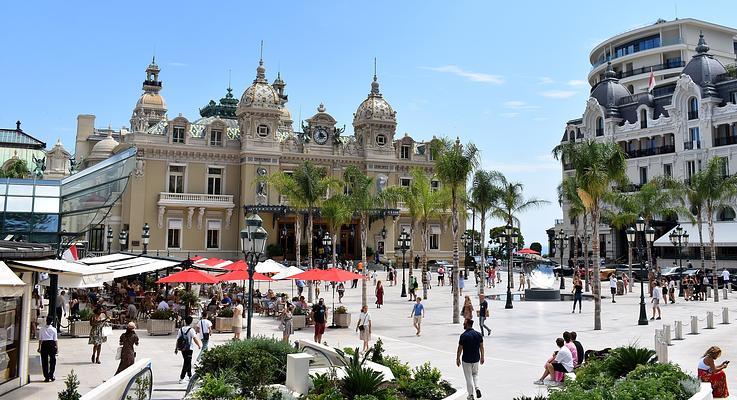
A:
726, 214
643, 119
572, 136
693, 108
599, 126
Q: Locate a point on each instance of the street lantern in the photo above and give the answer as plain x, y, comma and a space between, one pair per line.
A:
123, 239
109, 238
383, 232
403, 243
649, 236
326, 241
145, 237
561, 237
253, 242
640, 224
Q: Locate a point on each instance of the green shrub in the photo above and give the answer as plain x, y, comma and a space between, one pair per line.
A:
360, 380
226, 312
426, 372
622, 360
349, 350
85, 314
189, 298
422, 389
321, 383
162, 314
592, 374
538, 397
215, 387
299, 311
255, 363
378, 351
341, 310
366, 397
399, 369
72, 388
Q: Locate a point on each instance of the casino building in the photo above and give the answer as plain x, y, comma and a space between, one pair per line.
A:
193, 177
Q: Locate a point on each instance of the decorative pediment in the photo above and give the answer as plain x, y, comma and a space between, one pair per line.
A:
685, 88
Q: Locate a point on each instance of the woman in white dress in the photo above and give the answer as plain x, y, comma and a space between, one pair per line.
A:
363, 327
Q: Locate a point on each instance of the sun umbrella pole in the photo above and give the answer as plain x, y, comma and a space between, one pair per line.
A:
333, 324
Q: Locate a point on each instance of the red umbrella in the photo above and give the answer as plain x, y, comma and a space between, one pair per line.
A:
212, 262
528, 251
189, 275
242, 275
238, 265
330, 275
198, 258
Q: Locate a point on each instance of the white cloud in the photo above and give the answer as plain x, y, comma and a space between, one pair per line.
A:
470, 75
546, 80
509, 114
518, 105
576, 82
177, 64
540, 119
558, 94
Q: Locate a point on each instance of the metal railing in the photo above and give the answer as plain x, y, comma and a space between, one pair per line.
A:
187, 198
692, 145
653, 151
725, 140
647, 69
663, 43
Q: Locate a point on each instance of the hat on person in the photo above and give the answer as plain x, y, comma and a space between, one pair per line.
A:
131, 325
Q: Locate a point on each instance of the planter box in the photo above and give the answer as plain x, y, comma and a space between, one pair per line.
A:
223, 324
79, 328
160, 326
342, 320
299, 321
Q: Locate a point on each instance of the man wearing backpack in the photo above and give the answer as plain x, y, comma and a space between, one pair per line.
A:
185, 337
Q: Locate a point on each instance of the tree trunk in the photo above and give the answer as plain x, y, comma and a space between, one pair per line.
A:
699, 223
298, 251
454, 275
310, 265
596, 284
710, 221
364, 260
425, 249
511, 252
586, 253
481, 271
575, 250
649, 248
411, 247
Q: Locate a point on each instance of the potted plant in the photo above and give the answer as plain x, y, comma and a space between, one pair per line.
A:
161, 322
342, 317
79, 325
189, 299
299, 318
224, 320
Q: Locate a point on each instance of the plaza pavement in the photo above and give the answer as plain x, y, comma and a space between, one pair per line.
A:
522, 339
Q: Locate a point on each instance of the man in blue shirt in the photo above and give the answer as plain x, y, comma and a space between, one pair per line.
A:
470, 353
418, 311
300, 286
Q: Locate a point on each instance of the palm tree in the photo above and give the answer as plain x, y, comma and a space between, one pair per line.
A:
453, 164
429, 204
484, 194
305, 188
624, 216
567, 195
337, 212
598, 166
363, 201
719, 190
510, 203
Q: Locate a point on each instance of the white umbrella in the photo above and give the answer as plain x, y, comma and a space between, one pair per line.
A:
291, 271
269, 267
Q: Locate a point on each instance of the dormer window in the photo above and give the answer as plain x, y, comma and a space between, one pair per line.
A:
404, 152
643, 119
600, 126
177, 135
381, 139
262, 130
693, 108
216, 137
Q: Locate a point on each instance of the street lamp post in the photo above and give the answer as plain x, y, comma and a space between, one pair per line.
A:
509, 238
253, 241
465, 238
327, 244
561, 236
403, 246
679, 238
109, 238
632, 237
145, 237
122, 239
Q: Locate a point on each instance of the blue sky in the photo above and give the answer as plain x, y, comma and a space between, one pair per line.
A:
504, 75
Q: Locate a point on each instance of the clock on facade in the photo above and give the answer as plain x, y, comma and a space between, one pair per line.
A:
320, 135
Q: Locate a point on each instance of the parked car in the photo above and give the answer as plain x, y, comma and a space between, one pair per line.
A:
433, 265
565, 269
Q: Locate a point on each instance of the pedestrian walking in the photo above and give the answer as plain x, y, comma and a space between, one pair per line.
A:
237, 320
483, 314
37, 305
467, 310
60, 307
363, 327
379, 294
341, 292
127, 353
97, 322
48, 346
441, 276
522, 280
319, 315
657, 298
469, 355
412, 288
461, 283
286, 322
203, 328
428, 276
186, 341
390, 275
672, 290
625, 281
300, 286
418, 312
577, 292
613, 285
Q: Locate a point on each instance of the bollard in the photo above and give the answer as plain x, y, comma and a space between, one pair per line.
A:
725, 315
666, 335
709, 320
658, 348
679, 330
724, 293
694, 325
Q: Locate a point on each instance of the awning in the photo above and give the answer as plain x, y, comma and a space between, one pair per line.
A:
71, 274
10, 284
725, 234
122, 265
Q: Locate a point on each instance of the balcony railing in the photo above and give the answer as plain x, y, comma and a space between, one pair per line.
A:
656, 67
196, 200
629, 188
653, 151
663, 42
696, 144
725, 140
152, 83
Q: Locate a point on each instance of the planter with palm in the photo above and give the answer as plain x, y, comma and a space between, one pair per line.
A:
598, 166
453, 165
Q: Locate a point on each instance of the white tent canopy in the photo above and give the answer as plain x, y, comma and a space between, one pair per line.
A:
725, 235
289, 272
10, 284
269, 267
